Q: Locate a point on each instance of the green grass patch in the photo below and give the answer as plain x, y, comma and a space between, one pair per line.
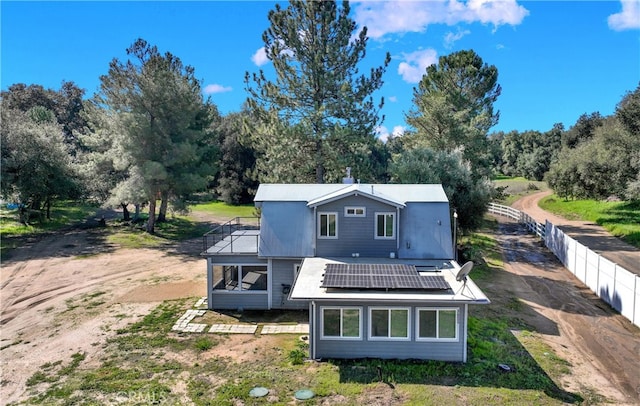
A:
513, 188
62, 214
621, 219
175, 229
224, 210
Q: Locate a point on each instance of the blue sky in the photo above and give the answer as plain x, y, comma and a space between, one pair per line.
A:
556, 60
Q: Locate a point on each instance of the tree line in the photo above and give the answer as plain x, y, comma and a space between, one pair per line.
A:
598, 157
148, 135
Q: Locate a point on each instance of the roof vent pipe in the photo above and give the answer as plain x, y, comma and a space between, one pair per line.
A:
348, 180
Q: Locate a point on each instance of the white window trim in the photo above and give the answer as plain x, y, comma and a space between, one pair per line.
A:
389, 338
340, 337
239, 290
375, 225
438, 339
355, 209
327, 213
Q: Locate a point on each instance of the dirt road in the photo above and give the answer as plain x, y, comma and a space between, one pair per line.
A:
602, 346
587, 233
67, 293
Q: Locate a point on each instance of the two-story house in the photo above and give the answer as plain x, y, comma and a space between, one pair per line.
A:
373, 264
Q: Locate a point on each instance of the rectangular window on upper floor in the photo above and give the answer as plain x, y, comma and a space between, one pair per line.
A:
327, 225
385, 226
351, 211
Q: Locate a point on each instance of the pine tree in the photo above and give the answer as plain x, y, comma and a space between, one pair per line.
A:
453, 108
318, 116
161, 109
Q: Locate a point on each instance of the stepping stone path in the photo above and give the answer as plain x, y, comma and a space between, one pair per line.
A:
185, 325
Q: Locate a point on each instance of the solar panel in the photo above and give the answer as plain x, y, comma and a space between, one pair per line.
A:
380, 276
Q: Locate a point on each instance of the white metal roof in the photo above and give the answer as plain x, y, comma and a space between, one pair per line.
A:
307, 285
396, 194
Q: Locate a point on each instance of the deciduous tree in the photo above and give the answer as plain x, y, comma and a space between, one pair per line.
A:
66, 104
423, 165
36, 164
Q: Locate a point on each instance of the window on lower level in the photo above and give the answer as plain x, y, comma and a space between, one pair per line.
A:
437, 324
389, 323
341, 323
240, 277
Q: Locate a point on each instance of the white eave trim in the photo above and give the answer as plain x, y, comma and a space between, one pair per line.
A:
355, 190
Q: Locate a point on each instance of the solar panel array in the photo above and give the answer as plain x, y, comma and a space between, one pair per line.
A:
380, 276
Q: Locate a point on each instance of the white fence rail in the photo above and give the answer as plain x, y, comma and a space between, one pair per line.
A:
522, 217
611, 282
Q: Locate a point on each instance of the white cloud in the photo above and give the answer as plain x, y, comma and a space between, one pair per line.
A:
384, 134
260, 57
628, 18
498, 12
397, 17
452, 37
415, 64
393, 99
216, 88
398, 131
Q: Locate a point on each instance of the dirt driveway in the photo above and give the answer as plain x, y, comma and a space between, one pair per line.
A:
602, 346
589, 234
68, 293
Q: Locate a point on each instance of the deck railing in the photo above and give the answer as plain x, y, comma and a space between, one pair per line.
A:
225, 232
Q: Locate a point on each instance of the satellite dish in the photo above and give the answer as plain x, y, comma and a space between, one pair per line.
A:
464, 271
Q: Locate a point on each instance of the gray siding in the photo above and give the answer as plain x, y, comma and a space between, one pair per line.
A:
286, 230
237, 300
425, 231
389, 349
356, 234
283, 274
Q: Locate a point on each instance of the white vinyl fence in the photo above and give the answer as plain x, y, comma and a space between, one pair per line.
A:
522, 217
611, 282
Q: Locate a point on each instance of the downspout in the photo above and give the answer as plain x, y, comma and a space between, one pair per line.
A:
209, 284
270, 284
466, 327
312, 330
397, 229
315, 229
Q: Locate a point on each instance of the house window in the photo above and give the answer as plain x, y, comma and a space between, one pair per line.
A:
437, 324
355, 211
385, 225
389, 323
240, 277
328, 225
341, 323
